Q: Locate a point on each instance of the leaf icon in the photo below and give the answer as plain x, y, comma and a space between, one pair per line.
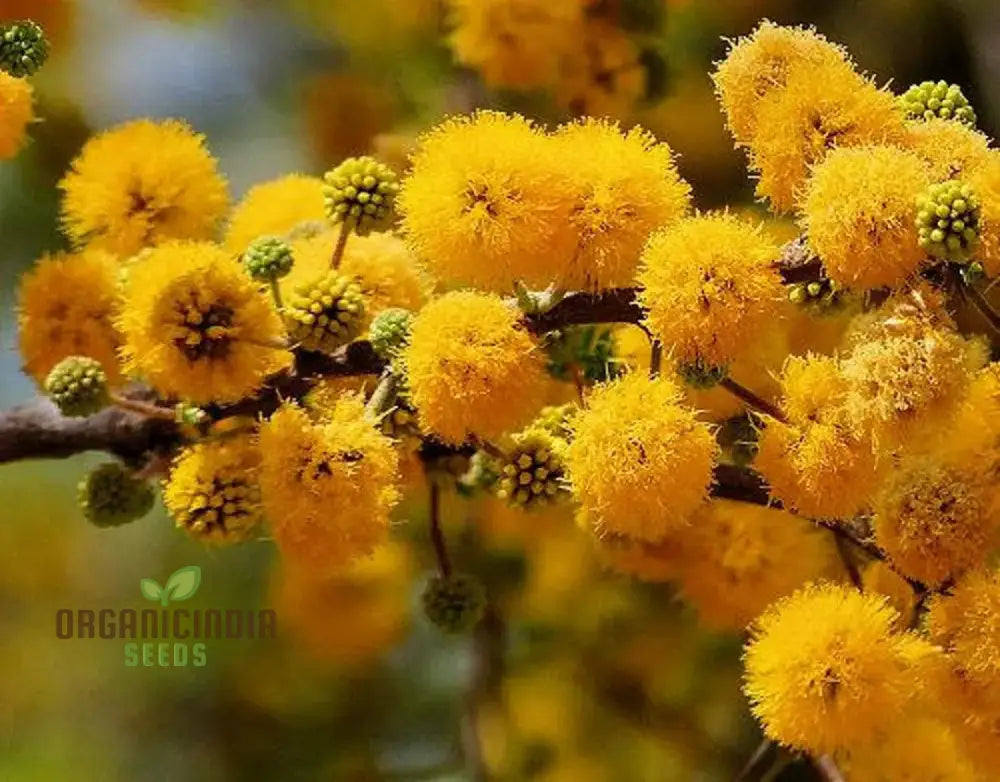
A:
183, 583
151, 590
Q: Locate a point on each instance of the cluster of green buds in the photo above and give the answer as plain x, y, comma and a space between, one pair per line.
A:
822, 296
555, 419
111, 496
948, 221
325, 312
268, 258
360, 193
23, 48
78, 386
390, 331
532, 472
698, 374
931, 99
454, 603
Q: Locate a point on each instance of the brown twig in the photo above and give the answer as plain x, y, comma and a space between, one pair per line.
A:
751, 399
437, 535
338, 250
142, 408
655, 358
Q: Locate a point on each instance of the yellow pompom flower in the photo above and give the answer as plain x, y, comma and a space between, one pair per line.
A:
624, 185
879, 578
327, 487
760, 64
16, 112
949, 149
709, 287
743, 557
825, 670
514, 43
472, 367
212, 491
966, 623
275, 208
978, 737
932, 521
601, 74
195, 325
815, 464
639, 462
985, 182
859, 213
484, 204
819, 109
141, 184
66, 305
653, 562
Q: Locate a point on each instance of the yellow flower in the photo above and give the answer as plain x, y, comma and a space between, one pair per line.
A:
933, 522
653, 562
639, 462
66, 304
859, 213
141, 184
816, 464
212, 491
760, 64
275, 208
949, 149
819, 109
742, 557
514, 43
472, 368
985, 181
825, 670
710, 287
327, 487
485, 204
879, 578
196, 326
16, 112
624, 186
601, 75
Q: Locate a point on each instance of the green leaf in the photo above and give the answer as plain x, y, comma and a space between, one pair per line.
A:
184, 582
151, 590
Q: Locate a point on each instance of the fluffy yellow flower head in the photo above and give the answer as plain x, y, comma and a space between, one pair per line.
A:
639, 462
196, 326
624, 186
760, 64
825, 670
514, 43
743, 557
949, 149
327, 487
472, 368
141, 184
16, 112
602, 74
212, 491
710, 287
819, 109
275, 208
388, 273
652, 562
932, 520
65, 308
860, 212
878, 577
484, 204
985, 181
966, 623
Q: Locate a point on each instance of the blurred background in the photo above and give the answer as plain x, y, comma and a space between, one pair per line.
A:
592, 676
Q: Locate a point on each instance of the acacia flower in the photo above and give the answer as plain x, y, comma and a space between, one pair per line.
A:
274, 208
639, 462
66, 304
709, 286
915, 748
472, 368
950, 150
16, 112
196, 326
141, 184
859, 213
625, 185
327, 487
825, 669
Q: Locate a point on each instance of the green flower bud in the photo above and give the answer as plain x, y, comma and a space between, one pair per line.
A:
325, 312
23, 48
973, 273
78, 386
948, 221
697, 374
532, 473
360, 193
455, 603
268, 258
190, 415
937, 99
555, 419
390, 331
111, 496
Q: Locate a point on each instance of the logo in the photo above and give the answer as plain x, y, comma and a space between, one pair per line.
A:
166, 636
